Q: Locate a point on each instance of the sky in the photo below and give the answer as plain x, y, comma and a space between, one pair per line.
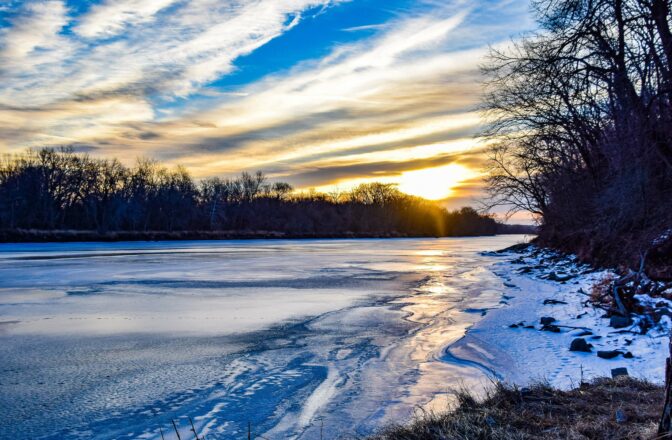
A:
322, 94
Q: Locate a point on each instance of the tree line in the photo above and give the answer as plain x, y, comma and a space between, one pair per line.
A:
59, 189
581, 125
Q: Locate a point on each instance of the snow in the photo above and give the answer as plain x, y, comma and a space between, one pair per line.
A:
522, 355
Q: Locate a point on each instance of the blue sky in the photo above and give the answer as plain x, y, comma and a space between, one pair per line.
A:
320, 93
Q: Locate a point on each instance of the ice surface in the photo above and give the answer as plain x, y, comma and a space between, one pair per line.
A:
113, 340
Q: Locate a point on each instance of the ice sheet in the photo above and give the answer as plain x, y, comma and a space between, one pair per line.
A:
113, 340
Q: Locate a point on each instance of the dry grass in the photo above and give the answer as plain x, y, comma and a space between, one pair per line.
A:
600, 292
540, 412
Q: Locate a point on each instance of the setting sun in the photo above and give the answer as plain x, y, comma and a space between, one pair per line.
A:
434, 183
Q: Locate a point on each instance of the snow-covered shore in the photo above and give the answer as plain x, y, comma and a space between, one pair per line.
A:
511, 343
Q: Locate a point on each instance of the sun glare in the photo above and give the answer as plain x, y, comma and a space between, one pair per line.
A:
434, 183
429, 183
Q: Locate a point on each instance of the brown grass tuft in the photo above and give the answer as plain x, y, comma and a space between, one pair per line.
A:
600, 292
541, 412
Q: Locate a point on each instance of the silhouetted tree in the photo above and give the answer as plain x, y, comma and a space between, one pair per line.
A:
581, 120
52, 189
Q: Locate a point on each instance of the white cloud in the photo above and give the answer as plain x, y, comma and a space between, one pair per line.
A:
36, 27
151, 59
113, 16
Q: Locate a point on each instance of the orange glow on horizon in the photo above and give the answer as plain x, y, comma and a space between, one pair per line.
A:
436, 183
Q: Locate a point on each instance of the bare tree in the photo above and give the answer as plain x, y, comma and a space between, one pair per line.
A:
580, 119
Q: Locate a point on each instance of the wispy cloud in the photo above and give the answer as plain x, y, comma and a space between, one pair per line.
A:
114, 16
131, 78
366, 27
35, 28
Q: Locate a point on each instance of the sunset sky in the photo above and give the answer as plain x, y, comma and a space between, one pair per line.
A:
322, 94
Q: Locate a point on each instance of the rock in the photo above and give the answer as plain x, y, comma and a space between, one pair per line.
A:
596, 337
529, 326
620, 416
553, 302
628, 355
619, 321
664, 311
580, 344
551, 328
559, 277
609, 354
661, 304
621, 371
513, 326
545, 320
585, 333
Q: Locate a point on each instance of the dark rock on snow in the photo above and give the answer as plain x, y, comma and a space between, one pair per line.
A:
609, 354
658, 314
545, 320
553, 302
560, 278
619, 322
580, 344
551, 328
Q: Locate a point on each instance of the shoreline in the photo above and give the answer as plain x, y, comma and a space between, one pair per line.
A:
77, 236
511, 342
541, 386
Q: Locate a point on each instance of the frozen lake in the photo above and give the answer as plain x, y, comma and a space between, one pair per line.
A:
113, 340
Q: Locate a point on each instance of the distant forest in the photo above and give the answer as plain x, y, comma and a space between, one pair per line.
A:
59, 190
581, 122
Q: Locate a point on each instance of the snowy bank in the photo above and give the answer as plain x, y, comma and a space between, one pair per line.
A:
544, 309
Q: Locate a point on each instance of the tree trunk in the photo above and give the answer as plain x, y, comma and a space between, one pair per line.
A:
665, 427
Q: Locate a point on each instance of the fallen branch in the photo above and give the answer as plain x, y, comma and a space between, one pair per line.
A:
573, 327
